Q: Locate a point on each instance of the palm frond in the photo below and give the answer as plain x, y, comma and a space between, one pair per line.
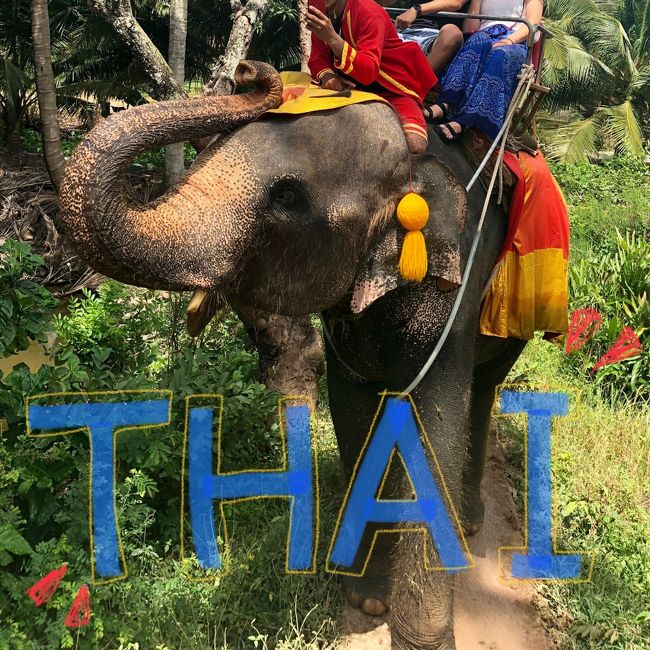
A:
640, 86
620, 127
14, 83
575, 142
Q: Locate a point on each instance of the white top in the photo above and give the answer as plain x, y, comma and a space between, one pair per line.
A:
511, 8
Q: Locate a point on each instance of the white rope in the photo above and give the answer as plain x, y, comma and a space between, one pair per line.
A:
525, 80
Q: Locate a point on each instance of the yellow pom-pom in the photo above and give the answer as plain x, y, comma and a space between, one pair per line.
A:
413, 262
413, 212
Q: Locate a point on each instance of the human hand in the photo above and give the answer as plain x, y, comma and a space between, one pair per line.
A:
405, 20
501, 43
332, 81
318, 23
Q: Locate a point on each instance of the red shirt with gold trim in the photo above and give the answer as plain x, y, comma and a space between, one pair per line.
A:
373, 52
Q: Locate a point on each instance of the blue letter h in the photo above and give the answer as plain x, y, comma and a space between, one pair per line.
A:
296, 483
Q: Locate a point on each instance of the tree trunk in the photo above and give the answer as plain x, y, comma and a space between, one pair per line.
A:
46, 92
164, 84
304, 36
12, 133
174, 156
222, 81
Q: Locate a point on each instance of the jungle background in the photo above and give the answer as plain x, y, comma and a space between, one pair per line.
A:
74, 331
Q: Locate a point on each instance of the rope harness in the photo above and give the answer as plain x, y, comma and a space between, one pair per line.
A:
526, 78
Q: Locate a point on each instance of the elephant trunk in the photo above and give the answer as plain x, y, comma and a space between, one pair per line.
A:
173, 242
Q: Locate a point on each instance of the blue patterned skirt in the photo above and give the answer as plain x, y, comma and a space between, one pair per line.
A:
479, 83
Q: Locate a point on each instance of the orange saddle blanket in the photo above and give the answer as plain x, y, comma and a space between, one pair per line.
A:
528, 291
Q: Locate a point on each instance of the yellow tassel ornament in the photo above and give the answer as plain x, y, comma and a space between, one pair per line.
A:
413, 214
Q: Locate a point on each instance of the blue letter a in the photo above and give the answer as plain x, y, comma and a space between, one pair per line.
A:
397, 432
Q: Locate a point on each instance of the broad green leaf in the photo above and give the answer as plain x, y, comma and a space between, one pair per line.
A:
12, 541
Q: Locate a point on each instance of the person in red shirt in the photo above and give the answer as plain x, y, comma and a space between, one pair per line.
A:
354, 44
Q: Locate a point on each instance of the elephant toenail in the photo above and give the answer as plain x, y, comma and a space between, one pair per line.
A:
354, 597
373, 607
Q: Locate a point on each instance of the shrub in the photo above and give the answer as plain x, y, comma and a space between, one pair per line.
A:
119, 338
617, 284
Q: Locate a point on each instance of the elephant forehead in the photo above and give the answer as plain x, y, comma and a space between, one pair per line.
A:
352, 143
224, 174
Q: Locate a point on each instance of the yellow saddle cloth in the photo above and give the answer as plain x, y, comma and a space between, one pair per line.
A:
300, 95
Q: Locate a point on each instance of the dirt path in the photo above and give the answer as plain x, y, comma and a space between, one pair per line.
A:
489, 615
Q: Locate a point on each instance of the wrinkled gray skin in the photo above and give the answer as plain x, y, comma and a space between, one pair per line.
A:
296, 215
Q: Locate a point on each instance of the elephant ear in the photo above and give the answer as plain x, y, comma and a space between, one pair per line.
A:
447, 202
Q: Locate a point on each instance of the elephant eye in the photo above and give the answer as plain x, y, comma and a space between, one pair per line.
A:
286, 195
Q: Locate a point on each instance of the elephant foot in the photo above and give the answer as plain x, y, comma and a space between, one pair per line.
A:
369, 594
420, 635
405, 643
473, 513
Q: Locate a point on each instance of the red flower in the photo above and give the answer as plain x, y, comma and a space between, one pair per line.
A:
79, 612
44, 589
626, 345
583, 325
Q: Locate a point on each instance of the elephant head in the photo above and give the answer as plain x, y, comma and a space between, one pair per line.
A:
280, 213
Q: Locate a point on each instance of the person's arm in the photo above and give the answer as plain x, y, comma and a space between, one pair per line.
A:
320, 64
406, 19
360, 63
533, 10
324, 41
471, 25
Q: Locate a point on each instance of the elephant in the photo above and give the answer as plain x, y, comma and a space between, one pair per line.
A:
296, 215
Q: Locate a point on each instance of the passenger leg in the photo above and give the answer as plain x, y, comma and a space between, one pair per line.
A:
465, 71
410, 115
488, 102
416, 143
445, 47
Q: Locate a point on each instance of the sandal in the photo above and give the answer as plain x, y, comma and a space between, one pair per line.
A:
456, 135
428, 113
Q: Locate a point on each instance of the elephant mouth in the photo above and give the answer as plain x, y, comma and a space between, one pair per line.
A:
201, 310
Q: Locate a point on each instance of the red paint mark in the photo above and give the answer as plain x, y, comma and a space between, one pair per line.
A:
41, 591
583, 326
79, 612
626, 345
292, 93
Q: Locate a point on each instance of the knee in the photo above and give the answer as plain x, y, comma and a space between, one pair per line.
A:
482, 39
450, 37
416, 143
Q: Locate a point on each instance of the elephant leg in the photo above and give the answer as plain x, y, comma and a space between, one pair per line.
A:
495, 358
353, 405
421, 597
290, 351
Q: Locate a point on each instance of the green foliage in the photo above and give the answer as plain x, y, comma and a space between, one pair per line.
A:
600, 467
601, 198
601, 453
24, 305
121, 338
617, 284
90, 61
597, 64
